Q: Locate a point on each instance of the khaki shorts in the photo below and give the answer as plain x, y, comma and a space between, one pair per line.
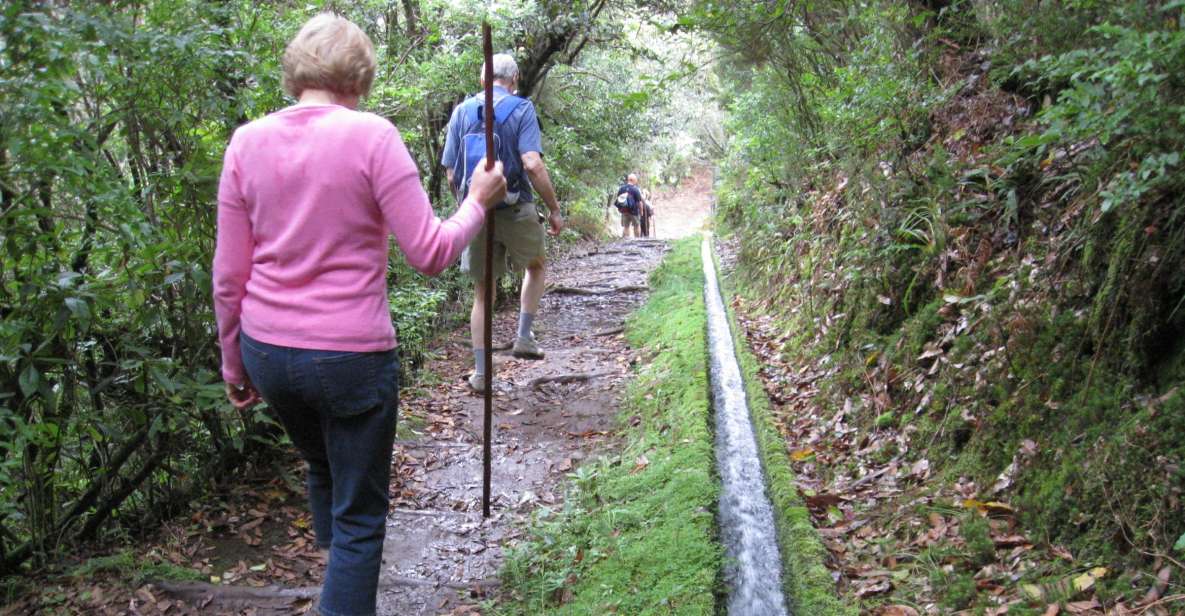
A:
630, 220
518, 239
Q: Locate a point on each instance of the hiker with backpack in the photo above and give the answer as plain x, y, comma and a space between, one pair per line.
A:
518, 230
629, 202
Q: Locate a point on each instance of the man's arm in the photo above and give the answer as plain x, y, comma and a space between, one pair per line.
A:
450, 151
541, 182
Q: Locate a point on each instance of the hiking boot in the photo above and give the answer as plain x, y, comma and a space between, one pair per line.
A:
525, 347
477, 383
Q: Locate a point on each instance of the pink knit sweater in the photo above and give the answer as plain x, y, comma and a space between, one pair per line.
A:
307, 198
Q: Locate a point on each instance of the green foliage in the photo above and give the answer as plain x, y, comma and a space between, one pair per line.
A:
113, 120
1116, 95
957, 589
977, 534
978, 212
630, 539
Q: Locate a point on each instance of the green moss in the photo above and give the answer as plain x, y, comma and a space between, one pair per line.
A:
957, 589
137, 572
977, 534
886, 420
630, 540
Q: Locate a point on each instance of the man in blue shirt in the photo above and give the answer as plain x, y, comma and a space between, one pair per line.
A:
630, 203
518, 231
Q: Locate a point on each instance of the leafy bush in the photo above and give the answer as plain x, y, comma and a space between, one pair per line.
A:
114, 120
990, 185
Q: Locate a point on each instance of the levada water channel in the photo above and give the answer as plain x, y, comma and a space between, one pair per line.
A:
753, 569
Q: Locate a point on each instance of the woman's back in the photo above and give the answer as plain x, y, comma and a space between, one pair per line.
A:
307, 197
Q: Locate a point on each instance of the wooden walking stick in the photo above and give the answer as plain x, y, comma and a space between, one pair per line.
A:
487, 117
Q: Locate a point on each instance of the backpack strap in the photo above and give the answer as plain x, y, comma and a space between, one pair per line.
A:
502, 111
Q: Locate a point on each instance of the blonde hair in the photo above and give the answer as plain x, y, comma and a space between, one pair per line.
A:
329, 53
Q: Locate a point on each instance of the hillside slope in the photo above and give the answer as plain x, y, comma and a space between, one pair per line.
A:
964, 262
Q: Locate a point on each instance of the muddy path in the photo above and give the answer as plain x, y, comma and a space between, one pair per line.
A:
440, 555
549, 416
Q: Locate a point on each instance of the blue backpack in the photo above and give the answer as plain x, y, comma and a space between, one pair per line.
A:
473, 146
627, 201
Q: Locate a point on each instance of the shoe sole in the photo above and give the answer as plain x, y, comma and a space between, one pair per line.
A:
527, 355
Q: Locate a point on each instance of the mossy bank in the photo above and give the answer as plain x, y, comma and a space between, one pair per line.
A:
637, 532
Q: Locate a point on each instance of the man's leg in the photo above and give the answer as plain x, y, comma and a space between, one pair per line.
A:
477, 327
527, 250
533, 280
473, 262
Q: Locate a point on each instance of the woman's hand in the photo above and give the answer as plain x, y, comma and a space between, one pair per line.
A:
488, 187
243, 396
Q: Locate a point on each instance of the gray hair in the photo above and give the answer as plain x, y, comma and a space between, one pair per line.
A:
505, 68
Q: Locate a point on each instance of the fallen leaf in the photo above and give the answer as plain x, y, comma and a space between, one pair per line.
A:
1081, 607
1010, 541
802, 454
874, 588
990, 508
1085, 581
1158, 588
1033, 591
821, 502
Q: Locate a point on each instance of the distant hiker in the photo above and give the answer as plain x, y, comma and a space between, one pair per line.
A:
518, 231
308, 197
646, 214
629, 202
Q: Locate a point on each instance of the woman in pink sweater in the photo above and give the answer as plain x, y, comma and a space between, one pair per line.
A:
307, 198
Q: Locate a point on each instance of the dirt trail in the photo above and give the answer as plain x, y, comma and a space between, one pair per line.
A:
682, 211
439, 552
440, 556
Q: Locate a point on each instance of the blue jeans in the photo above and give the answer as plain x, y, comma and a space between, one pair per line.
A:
339, 409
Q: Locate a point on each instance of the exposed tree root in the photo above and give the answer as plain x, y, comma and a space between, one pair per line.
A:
219, 596
565, 378
581, 291
612, 331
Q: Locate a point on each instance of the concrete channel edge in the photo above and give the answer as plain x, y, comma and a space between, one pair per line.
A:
806, 582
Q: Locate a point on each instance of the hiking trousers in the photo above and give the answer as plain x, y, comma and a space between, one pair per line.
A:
339, 409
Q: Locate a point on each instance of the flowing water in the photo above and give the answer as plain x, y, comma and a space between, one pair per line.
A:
753, 571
